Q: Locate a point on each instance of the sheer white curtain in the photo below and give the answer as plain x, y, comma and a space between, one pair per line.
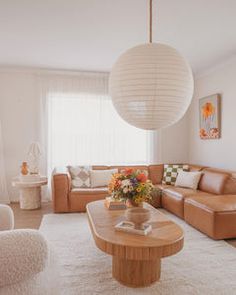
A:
4, 196
85, 129
82, 126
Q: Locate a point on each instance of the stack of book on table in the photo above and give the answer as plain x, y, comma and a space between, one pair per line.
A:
114, 204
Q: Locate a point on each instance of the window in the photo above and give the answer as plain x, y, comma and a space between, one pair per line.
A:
85, 129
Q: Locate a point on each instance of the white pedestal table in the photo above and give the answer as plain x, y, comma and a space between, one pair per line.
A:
30, 192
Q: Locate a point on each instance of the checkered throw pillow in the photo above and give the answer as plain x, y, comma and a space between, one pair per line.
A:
171, 172
80, 176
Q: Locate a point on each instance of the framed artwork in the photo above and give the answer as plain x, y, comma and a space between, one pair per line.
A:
209, 116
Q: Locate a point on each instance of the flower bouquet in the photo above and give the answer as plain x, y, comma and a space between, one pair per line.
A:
131, 185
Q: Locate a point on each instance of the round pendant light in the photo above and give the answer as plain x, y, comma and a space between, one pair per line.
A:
151, 85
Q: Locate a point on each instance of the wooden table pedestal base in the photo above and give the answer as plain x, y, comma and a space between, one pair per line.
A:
136, 259
136, 273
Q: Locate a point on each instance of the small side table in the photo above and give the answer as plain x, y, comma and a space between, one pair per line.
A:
30, 192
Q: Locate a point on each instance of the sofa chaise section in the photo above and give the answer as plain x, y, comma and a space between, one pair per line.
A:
214, 216
213, 182
173, 198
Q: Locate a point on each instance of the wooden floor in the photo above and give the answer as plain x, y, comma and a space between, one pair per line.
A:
32, 218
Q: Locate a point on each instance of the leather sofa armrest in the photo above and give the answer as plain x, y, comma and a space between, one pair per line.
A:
61, 187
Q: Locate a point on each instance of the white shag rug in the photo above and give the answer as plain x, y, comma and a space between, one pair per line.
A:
203, 267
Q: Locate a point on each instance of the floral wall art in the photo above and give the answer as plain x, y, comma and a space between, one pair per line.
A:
209, 110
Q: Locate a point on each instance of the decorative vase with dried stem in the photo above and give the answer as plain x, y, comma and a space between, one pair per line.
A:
138, 216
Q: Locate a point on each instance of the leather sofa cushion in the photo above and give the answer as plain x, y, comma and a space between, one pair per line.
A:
222, 203
173, 198
213, 182
214, 216
89, 191
162, 186
79, 200
182, 193
156, 173
230, 186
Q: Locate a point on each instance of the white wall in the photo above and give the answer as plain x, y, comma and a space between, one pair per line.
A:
174, 142
222, 152
19, 114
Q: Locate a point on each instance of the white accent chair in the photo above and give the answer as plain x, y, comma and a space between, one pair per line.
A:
27, 266
6, 218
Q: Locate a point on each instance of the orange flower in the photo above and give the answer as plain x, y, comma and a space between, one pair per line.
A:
142, 177
128, 171
117, 183
208, 110
116, 175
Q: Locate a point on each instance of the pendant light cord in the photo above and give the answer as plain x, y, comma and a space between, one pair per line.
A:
150, 21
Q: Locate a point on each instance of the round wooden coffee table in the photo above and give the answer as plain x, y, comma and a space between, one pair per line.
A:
136, 260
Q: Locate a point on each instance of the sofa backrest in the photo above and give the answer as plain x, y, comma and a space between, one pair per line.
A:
155, 173
193, 167
120, 167
135, 167
218, 181
229, 186
212, 182
101, 167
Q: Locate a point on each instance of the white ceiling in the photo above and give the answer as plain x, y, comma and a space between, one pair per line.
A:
91, 34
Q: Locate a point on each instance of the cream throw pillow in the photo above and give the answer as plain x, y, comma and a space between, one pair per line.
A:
188, 179
100, 178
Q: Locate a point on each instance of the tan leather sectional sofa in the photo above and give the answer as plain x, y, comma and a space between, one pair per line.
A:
68, 199
211, 209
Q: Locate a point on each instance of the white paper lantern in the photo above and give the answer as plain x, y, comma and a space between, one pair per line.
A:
151, 86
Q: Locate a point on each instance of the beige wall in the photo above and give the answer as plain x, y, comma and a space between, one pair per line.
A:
174, 142
221, 152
